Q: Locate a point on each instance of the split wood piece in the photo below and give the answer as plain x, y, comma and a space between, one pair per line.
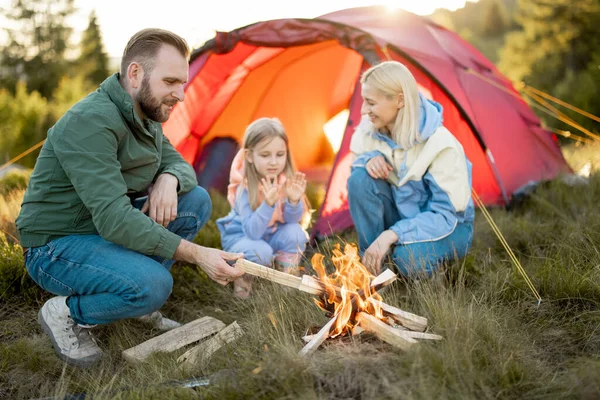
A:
175, 338
312, 285
383, 331
382, 280
409, 320
318, 338
304, 283
420, 335
202, 352
356, 330
308, 338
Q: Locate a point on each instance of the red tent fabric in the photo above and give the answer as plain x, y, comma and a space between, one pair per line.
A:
305, 72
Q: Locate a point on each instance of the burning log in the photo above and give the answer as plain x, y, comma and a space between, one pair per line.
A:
383, 331
314, 286
411, 321
350, 296
318, 338
384, 279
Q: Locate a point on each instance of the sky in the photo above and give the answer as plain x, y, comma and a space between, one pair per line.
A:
198, 20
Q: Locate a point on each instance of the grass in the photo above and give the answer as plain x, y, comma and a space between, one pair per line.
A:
498, 342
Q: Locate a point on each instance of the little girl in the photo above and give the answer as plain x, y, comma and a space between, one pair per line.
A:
268, 202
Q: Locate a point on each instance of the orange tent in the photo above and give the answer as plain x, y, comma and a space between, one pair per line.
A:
306, 73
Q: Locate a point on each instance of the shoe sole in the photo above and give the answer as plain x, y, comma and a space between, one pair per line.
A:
71, 361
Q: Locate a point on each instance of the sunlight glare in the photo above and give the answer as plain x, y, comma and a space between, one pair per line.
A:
334, 129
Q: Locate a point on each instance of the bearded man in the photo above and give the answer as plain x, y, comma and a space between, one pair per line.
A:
111, 204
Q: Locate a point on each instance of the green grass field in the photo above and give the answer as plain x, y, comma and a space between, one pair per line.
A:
498, 342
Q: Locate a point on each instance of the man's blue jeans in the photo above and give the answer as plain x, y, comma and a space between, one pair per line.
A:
373, 210
106, 282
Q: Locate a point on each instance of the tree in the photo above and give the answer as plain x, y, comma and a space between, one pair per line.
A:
495, 21
36, 47
23, 123
93, 61
558, 42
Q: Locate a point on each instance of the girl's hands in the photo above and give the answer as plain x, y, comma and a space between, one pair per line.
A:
295, 188
270, 188
378, 168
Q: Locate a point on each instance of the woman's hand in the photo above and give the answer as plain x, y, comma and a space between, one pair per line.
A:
295, 188
374, 255
378, 168
270, 189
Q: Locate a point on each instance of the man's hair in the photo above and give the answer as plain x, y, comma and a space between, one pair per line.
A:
144, 45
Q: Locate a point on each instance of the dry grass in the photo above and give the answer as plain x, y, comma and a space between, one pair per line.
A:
498, 342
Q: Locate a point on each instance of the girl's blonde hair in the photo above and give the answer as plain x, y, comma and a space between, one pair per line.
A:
256, 132
393, 78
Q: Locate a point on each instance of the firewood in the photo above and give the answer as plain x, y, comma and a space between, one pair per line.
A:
420, 335
384, 332
382, 280
305, 283
318, 338
308, 338
202, 352
409, 320
312, 285
174, 339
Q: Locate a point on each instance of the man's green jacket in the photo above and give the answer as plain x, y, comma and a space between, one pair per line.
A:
95, 157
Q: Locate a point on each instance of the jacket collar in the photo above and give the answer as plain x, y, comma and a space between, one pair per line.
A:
124, 103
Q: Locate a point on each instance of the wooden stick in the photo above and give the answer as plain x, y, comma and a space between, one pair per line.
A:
384, 332
308, 338
411, 321
202, 352
312, 285
319, 337
357, 330
174, 339
273, 275
420, 335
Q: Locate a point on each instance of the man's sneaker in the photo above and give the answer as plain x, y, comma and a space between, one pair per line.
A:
73, 343
157, 320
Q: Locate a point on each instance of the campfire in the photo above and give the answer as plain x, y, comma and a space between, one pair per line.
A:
349, 296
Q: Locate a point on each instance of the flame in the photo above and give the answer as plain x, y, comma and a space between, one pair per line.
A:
353, 283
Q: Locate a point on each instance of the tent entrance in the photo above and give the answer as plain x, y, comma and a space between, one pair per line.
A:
307, 87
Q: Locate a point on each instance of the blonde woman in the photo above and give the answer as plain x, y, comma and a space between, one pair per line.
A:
268, 202
410, 187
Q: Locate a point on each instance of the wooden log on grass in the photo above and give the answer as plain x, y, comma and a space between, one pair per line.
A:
383, 331
202, 352
174, 339
318, 338
409, 320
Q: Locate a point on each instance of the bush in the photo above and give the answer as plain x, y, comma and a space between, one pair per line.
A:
14, 278
14, 181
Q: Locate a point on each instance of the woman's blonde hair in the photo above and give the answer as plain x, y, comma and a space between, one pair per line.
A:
256, 132
393, 78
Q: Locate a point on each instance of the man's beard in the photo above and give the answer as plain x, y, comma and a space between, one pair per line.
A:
150, 105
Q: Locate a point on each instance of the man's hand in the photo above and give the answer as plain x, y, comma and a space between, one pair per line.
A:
211, 261
378, 168
374, 255
162, 200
